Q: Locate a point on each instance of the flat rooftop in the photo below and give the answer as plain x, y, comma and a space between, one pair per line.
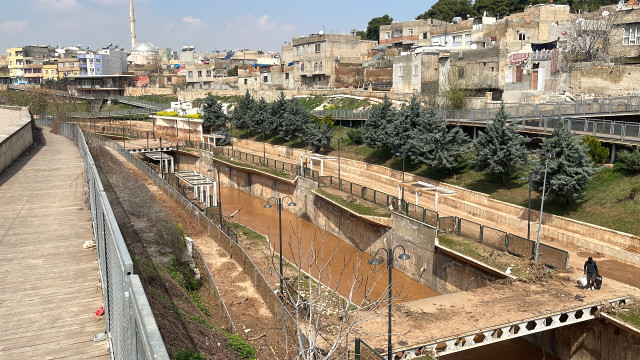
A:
12, 119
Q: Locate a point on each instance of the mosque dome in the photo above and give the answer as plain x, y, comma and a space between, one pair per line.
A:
144, 47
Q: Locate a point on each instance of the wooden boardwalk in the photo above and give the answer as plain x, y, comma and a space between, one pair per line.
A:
49, 284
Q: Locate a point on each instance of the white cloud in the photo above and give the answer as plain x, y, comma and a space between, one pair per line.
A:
12, 26
193, 21
262, 23
59, 5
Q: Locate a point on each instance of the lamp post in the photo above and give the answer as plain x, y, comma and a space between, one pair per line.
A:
217, 166
544, 185
376, 261
529, 214
264, 148
278, 202
339, 180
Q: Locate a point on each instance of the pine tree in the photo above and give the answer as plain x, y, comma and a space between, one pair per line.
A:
375, 133
570, 168
277, 112
261, 116
402, 130
436, 146
295, 121
500, 149
243, 112
318, 136
213, 118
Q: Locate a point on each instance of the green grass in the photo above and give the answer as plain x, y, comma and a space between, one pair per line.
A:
311, 102
251, 235
159, 99
113, 107
362, 209
630, 316
473, 250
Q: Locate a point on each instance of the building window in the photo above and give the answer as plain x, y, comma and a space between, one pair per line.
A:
246, 81
425, 35
302, 67
467, 39
208, 73
460, 73
457, 40
522, 37
191, 74
169, 79
320, 66
387, 35
199, 73
317, 48
286, 76
315, 66
265, 79
410, 32
631, 36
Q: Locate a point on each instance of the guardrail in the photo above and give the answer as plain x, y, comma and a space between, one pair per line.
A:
133, 332
268, 295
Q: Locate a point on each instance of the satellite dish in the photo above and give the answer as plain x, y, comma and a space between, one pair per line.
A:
474, 46
605, 13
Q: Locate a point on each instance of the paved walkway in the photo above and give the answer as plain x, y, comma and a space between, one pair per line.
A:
49, 284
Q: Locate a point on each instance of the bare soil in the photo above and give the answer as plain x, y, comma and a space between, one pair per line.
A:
176, 314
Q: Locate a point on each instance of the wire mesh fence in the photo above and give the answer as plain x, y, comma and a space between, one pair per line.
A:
130, 322
223, 239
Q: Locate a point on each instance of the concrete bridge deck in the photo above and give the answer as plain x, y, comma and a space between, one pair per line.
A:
49, 284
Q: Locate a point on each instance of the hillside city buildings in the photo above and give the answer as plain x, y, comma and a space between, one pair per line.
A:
522, 57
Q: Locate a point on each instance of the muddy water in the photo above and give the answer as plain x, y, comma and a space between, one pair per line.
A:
346, 262
516, 349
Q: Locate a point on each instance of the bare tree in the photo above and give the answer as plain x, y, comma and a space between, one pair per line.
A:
588, 38
330, 302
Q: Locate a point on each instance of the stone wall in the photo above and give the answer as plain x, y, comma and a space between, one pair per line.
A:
604, 79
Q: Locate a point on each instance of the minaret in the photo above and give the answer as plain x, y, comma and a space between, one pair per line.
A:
132, 20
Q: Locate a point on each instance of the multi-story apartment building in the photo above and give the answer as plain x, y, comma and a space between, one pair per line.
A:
315, 57
199, 76
406, 35
27, 60
33, 72
106, 61
50, 69
68, 67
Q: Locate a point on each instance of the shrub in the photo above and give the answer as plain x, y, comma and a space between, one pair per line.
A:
355, 135
240, 346
598, 153
188, 355
167, 113
630, 160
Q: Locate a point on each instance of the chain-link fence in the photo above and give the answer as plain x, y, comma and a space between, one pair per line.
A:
132, 328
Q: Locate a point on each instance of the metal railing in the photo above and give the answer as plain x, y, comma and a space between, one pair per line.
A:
365, 352
231, 246
133, 332
110, 113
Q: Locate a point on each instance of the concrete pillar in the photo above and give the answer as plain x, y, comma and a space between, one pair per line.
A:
613, 152
475, 131
215, 194
321, 167
436, 205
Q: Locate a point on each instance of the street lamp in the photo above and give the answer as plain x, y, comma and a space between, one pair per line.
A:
376, 261
544, 184
217, 166
339, 180
278, 202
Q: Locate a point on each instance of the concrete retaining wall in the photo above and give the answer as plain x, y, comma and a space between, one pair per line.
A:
444, 274
589, 340
17, 142
508, 217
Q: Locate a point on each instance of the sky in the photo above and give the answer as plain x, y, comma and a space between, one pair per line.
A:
206, 24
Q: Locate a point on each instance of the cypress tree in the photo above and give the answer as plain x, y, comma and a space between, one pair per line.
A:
243, 112
500, 149
214, 118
